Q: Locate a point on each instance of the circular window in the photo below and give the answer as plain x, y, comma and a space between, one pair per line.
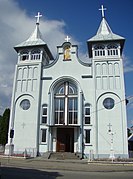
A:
25, 104
108, 103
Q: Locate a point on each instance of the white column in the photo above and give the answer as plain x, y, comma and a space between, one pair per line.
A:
80, 117
119, 54
93, 52
66, 103
29, 55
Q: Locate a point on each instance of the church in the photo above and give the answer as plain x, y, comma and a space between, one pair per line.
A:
65, 104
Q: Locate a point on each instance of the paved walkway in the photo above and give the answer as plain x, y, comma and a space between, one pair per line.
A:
70, 165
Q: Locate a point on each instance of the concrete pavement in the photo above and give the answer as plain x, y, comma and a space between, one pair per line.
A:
69, 165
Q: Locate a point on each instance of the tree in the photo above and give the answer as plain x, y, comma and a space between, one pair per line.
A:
4, 124
128, 132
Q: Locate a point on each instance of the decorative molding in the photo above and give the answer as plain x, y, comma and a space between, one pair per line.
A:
86, 76
46, 78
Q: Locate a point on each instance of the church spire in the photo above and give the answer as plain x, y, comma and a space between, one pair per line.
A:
104, 28
35, 38
104, 33
36, 34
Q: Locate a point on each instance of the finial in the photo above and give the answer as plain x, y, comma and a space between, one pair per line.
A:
67, 38
38, 17
102, 9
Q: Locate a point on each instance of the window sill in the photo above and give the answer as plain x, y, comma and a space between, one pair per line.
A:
43, 143
88, 144
65, 125
87, 124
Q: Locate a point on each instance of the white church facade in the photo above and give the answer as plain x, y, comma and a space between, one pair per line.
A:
65, 104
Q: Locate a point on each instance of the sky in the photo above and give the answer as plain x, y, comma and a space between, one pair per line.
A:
77, 19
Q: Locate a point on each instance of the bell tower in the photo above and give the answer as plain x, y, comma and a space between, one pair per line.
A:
105, 50
33, 54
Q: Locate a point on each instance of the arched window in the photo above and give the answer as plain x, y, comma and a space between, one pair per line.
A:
99, 50
112, 49
66, 104
24, 55
35, 55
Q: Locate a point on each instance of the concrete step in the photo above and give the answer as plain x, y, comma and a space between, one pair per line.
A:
63, 156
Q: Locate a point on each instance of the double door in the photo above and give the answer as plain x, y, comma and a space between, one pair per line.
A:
65, 140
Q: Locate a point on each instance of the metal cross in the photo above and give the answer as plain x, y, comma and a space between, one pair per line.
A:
102, 9
38, 17
109, 127
23, 124
67, 38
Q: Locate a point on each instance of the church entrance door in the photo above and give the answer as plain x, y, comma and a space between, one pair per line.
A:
65, 140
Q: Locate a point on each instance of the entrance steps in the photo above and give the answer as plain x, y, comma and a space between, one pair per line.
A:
64, 155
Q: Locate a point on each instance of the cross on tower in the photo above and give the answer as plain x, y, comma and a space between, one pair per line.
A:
38, 17
23, 125
67, 38
102, 9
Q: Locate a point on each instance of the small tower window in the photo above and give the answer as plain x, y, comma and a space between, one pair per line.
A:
99, 50
112, 49
25, 55
35, 55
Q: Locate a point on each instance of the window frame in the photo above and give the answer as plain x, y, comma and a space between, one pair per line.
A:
73, 110
109, 103
87, 140
43, 137
58, 111
112, 50
35, 54
99, 50
87, 106
24, 54
25, 104
44, 106
68, 93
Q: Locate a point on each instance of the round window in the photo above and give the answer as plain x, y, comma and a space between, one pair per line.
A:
25, 104
108, 103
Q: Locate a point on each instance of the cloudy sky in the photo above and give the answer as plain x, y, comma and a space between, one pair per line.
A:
78, 19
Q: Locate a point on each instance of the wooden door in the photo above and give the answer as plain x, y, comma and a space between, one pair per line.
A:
65, 140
